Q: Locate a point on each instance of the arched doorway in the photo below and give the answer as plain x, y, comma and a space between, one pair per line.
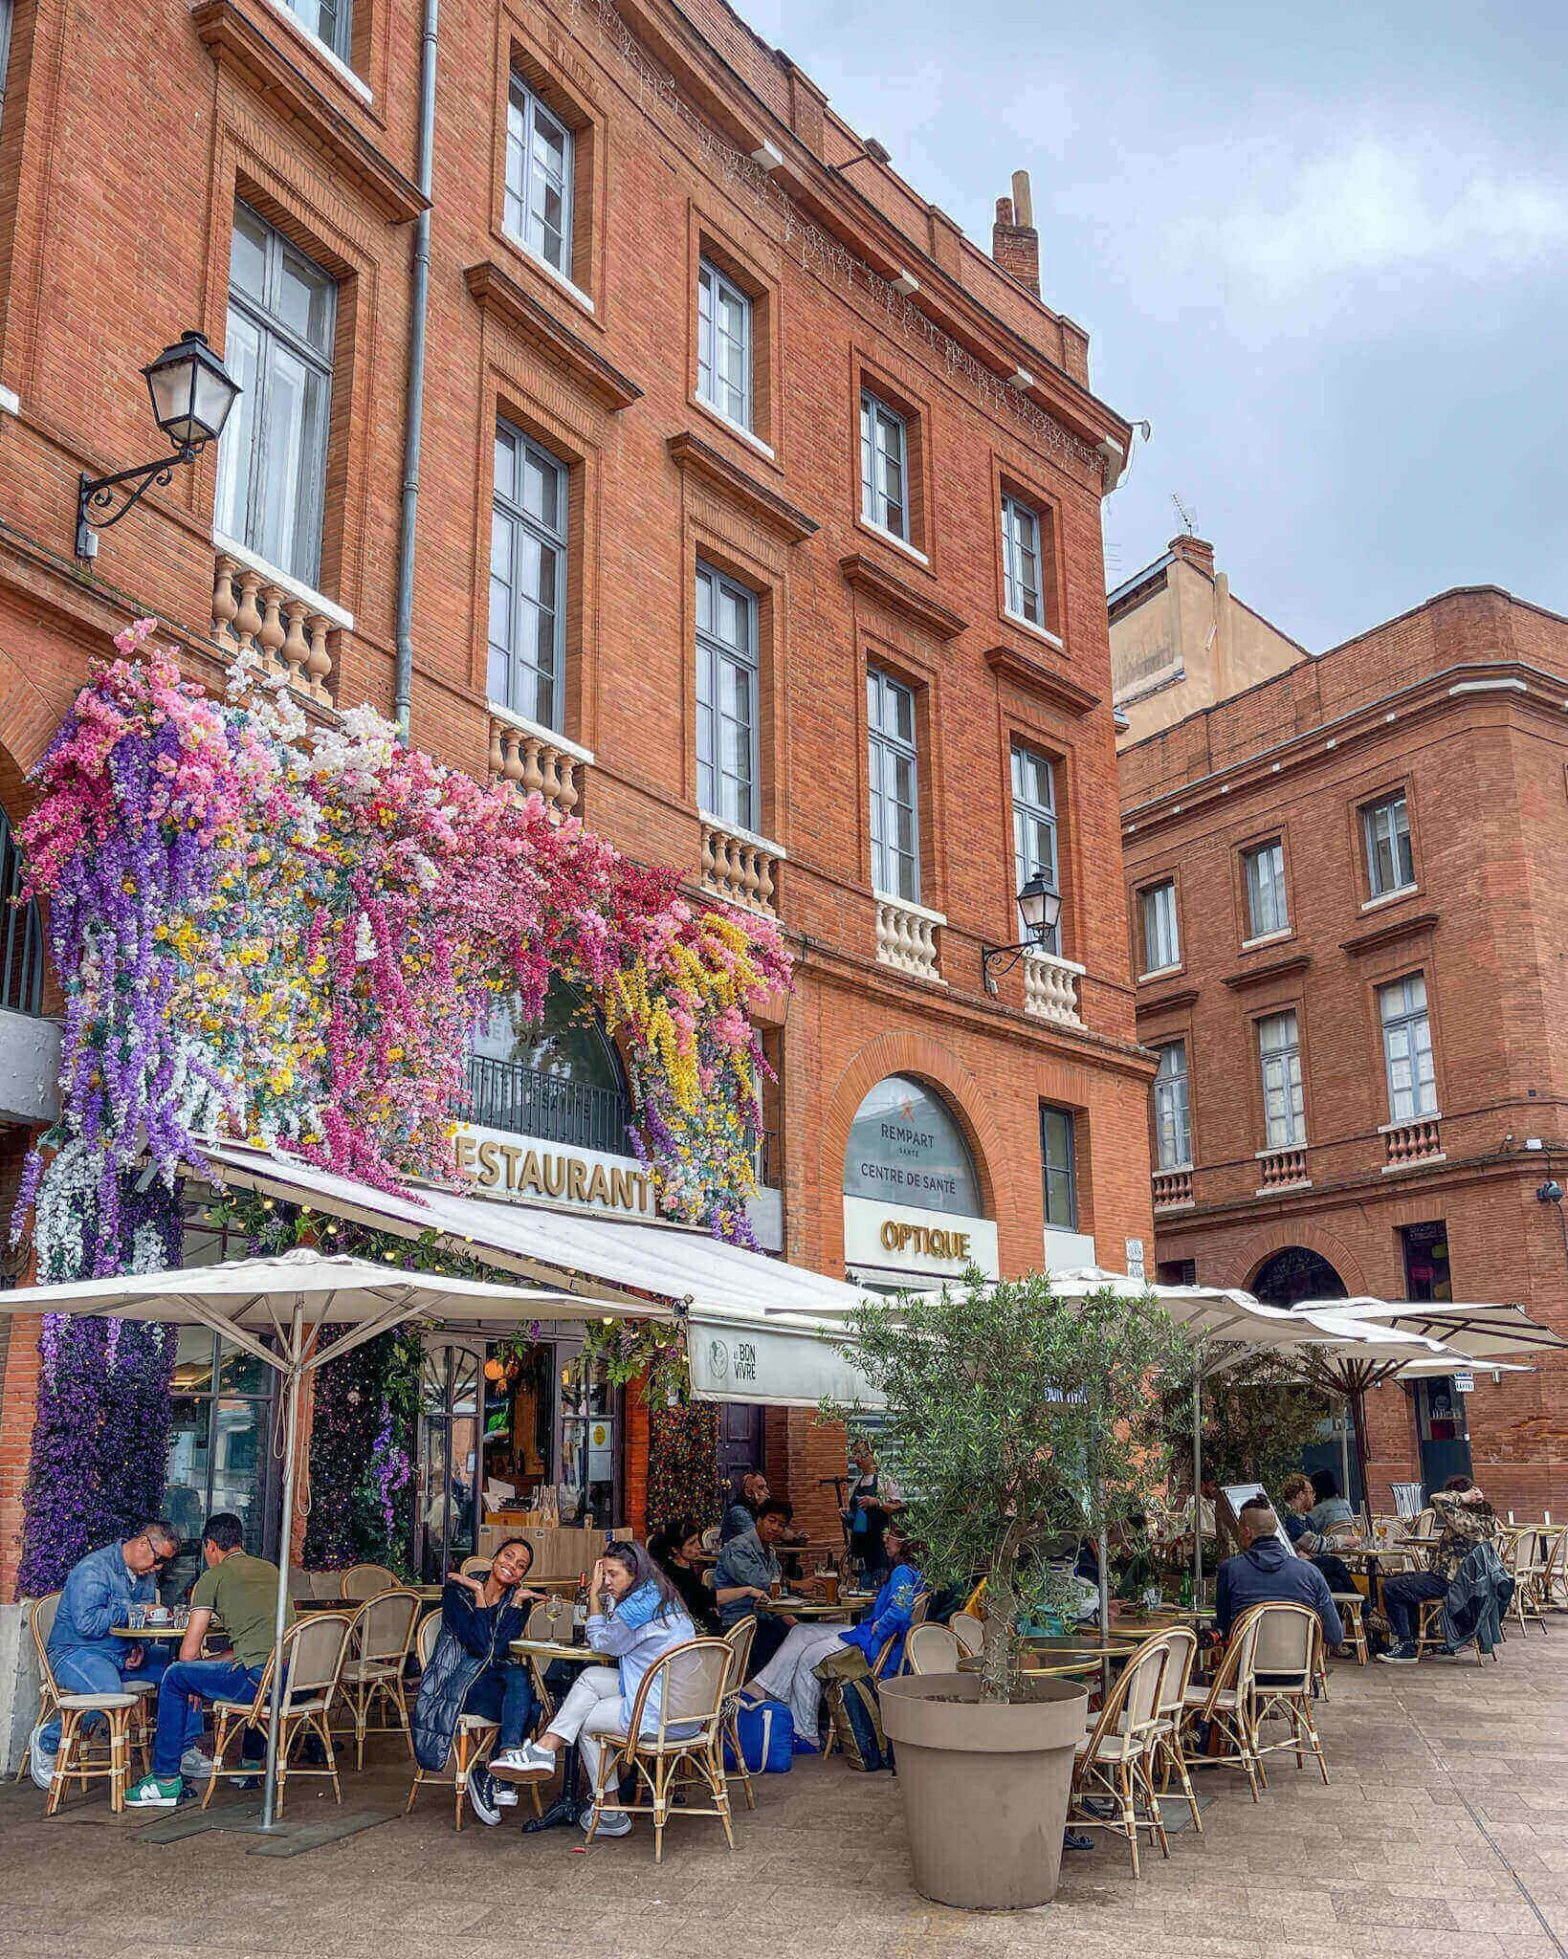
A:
1295, 1273
913, 1202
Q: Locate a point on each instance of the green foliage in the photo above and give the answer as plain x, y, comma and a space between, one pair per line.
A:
1016, 1418
1258, 1419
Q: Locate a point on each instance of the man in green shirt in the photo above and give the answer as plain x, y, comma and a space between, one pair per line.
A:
242, 1591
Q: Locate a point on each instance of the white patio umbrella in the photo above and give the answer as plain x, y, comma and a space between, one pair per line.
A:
287, 1300
1477, 1332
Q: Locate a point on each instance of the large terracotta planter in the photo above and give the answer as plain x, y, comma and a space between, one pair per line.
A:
985, 1787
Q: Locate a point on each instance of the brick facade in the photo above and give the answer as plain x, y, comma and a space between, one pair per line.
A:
103, 266
1458, 705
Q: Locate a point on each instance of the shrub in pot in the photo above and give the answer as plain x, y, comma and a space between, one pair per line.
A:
1019, 1423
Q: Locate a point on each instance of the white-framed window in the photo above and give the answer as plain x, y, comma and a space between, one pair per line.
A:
1172, 1108
1386, 828
728, 761
1034, 826
538, 208
1161, 939
331, 21
884, 469
272, 455
1279, 1054
895, 787
1021, 575
528, 551
1268, 908
723, 345
1407, 1049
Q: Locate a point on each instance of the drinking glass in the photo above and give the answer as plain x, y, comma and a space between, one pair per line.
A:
136, 1619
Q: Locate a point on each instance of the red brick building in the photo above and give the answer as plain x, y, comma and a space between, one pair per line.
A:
1348, 931
757, 521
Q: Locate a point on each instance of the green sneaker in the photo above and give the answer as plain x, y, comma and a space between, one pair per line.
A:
156, 1792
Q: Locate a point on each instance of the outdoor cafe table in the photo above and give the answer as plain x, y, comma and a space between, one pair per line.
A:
166, 1631
813, 1608
568, 1806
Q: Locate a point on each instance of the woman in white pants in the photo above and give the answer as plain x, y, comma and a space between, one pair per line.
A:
639, 1617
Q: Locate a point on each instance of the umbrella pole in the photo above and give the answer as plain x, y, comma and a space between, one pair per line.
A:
1197, 1486
1105, 1610
1358, 1411
269, 1796
1344, 1447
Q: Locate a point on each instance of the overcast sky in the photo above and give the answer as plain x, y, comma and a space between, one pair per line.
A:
1324, 249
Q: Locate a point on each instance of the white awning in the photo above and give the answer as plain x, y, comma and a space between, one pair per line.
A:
778, 1362
623, 1260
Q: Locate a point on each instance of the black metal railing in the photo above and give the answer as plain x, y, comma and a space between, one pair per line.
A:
507, 1095
21, 934
766, 1157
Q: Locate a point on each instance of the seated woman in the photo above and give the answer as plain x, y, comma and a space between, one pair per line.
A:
637, 1617
1330, 1508
791, 1674
677, 1551
471, 1671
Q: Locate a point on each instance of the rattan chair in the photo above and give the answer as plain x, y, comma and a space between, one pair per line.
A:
739, 1639
1519, 1551
381, 1636
683, 1749
77, 1754
1348, 1605
475, 1567
1115, 1758
474, 1733
1554, 1589
1228, 1703
1170, 1752
314, 1651
363, 1581
1286, 1654
931, 1649
968, 1628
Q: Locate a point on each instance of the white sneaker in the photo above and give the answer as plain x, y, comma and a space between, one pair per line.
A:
40, 1760
528, 1762
195, 1766
614, 1823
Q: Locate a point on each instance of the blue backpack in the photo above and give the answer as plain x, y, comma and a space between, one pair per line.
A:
767, 1739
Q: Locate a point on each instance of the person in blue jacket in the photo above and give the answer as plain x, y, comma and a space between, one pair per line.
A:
1268, 1569
791, 1675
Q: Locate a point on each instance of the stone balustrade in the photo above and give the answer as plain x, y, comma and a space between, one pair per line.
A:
1173, 1188
1284, 1169
738, 867
288, 631
1051, 988
537, 763
906, 937
1419, 1140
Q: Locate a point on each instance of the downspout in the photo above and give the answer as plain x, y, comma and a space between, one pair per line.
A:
403, 689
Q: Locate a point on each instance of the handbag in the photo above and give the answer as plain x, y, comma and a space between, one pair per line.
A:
766, 1731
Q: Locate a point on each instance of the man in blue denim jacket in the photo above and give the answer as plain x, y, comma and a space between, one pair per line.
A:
84, 1655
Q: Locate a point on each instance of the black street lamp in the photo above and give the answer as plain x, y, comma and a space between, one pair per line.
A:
1041, 907
192, 393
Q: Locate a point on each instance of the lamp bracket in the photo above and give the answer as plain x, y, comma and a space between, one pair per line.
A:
998, 959
95, 494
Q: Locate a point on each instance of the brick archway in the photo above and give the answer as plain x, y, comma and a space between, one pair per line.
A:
28, 721
1261, 1246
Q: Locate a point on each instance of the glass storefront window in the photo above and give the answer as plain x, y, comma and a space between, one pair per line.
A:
588, 1445
218, 1454
906, 1148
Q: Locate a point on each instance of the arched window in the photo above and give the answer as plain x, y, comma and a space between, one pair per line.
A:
905, 1147
557, 1078
21, 934
1294, 1274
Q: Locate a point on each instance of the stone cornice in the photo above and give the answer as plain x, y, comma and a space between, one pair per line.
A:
1036, 677
693, 456
1297, 962
866, 575
1389, 932
498, 294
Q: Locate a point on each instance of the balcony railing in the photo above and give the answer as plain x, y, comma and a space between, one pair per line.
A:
1173, 1188
1051, 988
738, 867
21, 934
256, 610
537, 762
1283, 1169
1420, 1140
507, 1095
906, 937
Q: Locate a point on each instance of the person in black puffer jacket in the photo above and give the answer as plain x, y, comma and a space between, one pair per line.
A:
471, 1671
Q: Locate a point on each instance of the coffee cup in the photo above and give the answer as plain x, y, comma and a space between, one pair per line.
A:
157, 1615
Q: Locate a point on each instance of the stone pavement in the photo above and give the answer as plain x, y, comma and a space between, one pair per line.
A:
1444, 1832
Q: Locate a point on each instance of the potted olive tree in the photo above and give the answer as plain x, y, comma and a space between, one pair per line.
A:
1019, 1424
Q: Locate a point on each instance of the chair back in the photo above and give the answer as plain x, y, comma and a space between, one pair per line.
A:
922, 1606
1425, 1525
475, 1567
551, 1618
313, 1655
362, 1581
1181, 1657
969, 1630
1237, 1671
1286, 1641
710, 1538
739, 1639
931, 1649
41, 1619
691, 1682
1131, 1708
384, 1625
425, 1639
1347, 1531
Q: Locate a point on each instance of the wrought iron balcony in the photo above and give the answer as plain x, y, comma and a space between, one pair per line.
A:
508, 1095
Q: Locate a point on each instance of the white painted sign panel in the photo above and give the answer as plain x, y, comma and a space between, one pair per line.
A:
925, 1244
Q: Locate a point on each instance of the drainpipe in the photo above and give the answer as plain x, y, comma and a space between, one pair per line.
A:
403, 689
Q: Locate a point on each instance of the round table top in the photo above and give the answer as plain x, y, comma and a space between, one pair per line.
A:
806, 1608
1054, 1670
165, 1631
554, 1649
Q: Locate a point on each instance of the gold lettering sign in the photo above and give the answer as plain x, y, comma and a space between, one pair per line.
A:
525, 1170
924, 1240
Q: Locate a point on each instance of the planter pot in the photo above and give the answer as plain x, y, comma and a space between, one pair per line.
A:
985, 1787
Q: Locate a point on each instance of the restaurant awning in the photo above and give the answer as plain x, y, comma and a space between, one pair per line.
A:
774, 1361
625, 1260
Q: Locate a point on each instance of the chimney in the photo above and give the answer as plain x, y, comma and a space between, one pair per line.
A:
1015, 244
1194, 551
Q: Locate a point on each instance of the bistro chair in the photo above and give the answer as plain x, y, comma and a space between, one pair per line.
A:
1430, 1636
880, 1671
475, 1567
922, 1606
969, 1630
1228, 1703
1521, 1560
474, 1736
1115, 1758
381, 1633
739, 1639
545, 1622
931, 1649
364, 1581
1348, 1605
1285, 1660
1554, 1588
314, 1650
684, 1750
1170, 1754
79, 1755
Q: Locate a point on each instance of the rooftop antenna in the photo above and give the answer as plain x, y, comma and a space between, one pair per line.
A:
1188, 519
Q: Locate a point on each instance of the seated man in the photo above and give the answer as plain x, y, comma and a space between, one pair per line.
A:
242, 1591
1467, 1519
747, 1569
472, 1671
84, 1655
1267, 1569
751, 1492
1328, 1507
1299, 1498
